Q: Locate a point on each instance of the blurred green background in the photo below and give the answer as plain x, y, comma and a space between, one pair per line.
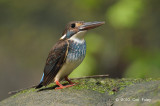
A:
128, 45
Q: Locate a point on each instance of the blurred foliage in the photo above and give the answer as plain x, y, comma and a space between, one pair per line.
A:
125, 13
145, 66
128, 45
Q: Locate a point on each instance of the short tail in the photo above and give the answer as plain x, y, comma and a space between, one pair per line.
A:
41, 83
39, 86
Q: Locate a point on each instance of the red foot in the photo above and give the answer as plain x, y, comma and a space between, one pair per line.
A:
70, 82
61, 86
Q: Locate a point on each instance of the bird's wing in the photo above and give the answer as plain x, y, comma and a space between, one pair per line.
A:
55, 60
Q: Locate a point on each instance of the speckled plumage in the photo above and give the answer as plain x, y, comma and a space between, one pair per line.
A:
77, 51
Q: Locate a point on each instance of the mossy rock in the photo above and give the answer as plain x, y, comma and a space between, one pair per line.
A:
92, 91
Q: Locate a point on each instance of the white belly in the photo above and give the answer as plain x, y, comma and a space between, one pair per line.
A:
66, 69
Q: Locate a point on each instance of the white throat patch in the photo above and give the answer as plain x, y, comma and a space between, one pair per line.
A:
78, 37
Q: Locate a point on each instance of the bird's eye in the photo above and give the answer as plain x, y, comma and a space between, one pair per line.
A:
73, 25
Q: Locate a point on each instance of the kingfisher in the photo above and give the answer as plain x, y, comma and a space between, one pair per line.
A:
66, 54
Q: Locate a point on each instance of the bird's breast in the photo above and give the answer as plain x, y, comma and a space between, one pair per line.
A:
76, 54
76, 51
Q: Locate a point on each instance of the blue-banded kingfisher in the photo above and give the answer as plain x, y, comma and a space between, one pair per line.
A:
67, 54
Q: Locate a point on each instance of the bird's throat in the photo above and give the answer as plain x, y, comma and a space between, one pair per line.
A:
78, 37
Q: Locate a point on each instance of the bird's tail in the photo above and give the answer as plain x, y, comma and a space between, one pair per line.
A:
39, 85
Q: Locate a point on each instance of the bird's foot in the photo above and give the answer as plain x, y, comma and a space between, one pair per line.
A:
70, 82
62, 87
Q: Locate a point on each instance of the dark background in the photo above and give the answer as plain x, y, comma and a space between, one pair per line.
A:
128, 45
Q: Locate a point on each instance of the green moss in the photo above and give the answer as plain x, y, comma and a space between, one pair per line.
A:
50, 85
112, 86
24, 91
107, 85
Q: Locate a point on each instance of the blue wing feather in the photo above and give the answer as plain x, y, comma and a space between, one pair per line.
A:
42, 78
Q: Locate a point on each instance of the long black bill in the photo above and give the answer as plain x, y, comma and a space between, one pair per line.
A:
90, 25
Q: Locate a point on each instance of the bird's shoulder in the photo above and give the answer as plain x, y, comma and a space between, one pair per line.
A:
59, 49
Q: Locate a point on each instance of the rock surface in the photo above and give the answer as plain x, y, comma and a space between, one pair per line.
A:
92, 92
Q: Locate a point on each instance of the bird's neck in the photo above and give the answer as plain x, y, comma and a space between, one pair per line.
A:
78, 37
77, 40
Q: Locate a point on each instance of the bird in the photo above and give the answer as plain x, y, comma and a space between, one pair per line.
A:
67, 54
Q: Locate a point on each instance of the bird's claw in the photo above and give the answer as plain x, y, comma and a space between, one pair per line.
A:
62, 87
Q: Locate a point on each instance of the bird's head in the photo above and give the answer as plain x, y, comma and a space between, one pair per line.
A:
77, 29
